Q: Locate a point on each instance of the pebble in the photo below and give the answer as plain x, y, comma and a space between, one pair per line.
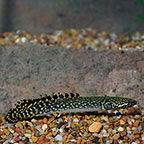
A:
3, 136
105, 118
73, 140
75, 120
44, 127
58, 137
11, 130
28, 131
6, 131
122, 122
89, 122
136, 123
27, 135
34, 139
45, 120
120, 129
19, 125
60, 130
95, 127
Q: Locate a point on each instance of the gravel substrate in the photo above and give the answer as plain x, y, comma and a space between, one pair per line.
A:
122, 126
84, 38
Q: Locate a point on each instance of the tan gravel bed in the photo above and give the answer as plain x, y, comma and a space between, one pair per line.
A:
79, 39
122, 126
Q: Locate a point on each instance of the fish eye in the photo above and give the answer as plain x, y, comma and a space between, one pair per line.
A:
107, 106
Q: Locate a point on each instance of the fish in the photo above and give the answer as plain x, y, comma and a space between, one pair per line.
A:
65, 103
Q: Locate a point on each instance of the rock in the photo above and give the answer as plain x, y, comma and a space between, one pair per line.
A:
95, 127
119, 73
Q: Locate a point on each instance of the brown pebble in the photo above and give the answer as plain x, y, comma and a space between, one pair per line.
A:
136, 123
125, 138
122, 122
95, 127
16, 138
45, 120
123, 133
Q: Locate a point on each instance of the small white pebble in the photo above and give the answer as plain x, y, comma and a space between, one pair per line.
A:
94, 134
58, 137
69, 124
108, 142
44, 127
105, 119
20, 137
15, 134
114, 131
23, 39
75, 120
134, 128
33, 41
23, 138
118, 117
38, 127
73, 140
33, 120
85, 134
27, 135
129, 132
106, 42
106, 135
120, 129
128, 135
120, 141
60, 130
11, 141
53, 129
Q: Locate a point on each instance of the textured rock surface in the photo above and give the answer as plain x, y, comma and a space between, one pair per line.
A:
29, 70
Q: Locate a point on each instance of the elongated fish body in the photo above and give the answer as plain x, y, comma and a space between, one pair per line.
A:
67, 103
89, 104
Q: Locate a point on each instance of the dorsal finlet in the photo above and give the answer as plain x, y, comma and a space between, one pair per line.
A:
60, 96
